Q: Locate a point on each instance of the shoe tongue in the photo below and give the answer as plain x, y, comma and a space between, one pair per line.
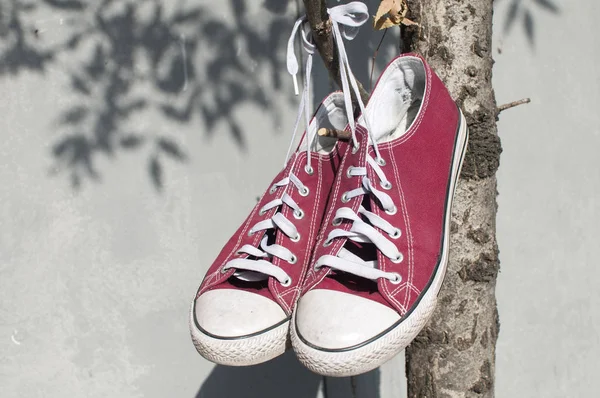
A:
359, 252
350, 256
250, 276
323, 145
253, 276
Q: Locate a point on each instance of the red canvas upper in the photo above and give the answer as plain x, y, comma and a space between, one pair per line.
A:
313, 205
419, 166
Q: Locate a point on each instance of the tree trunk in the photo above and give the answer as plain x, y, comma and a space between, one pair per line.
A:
454, 355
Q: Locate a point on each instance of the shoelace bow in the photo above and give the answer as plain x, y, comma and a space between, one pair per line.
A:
345, 19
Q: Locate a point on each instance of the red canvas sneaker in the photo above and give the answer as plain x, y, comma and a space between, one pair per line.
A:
382, 254
241, 313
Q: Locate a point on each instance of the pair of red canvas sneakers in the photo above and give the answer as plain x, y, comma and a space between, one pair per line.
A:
346, 251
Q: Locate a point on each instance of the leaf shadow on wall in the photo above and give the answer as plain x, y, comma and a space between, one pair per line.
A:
522, 13
126, 60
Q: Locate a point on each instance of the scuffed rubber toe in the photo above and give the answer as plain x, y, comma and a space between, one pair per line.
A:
332, 320
238, 328
229, 313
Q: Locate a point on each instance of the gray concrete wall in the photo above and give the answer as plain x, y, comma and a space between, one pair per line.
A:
137, 135
549, 184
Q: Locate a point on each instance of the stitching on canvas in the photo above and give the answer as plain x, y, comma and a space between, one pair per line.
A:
409, 235
383, 259
285, 212
309, 251
338, 182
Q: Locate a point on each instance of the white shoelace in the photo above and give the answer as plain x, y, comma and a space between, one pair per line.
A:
266, 251
292, 67
363, 228
261, 263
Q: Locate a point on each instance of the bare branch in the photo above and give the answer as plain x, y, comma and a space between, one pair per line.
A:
513, 104
316, 11
333, 133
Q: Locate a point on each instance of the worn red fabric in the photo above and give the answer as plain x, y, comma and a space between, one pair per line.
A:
314, 205
419, 166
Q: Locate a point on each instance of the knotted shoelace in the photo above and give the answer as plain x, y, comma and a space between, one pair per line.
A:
260, 260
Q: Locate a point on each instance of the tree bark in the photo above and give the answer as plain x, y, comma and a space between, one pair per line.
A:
454, 356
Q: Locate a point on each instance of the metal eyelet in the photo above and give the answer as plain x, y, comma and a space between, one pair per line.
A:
349, 171
273, 189
380, 161
398, 259
304, 191
345, 198
298, 215
293, 260
295, 238
327, 243
397, 279
391, 212
396, 234
262, 212
355, 149
251, 232
224, 270
287, 282
386, 185
309, 170
336, 222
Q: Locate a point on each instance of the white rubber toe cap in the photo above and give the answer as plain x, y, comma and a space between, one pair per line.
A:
335, 320
236, 313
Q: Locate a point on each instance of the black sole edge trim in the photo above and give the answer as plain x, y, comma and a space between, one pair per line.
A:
397, 323
247, 336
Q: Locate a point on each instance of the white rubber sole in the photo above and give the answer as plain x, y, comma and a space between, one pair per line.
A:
371, 355
240, 352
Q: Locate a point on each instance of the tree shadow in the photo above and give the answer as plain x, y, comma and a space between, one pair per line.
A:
174, 62
522, 13
366, 385
285, 377
281, 377
126, 60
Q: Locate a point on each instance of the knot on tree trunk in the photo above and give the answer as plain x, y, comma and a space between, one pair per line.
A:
323, 29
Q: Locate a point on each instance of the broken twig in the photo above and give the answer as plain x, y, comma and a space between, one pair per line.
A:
513, 104
333, 133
